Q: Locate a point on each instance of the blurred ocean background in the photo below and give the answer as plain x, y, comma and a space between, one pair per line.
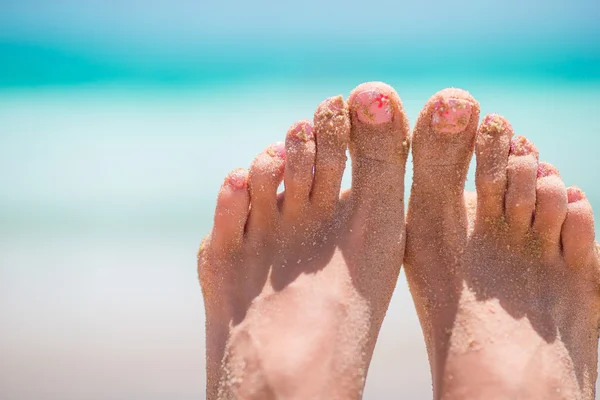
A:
119, 120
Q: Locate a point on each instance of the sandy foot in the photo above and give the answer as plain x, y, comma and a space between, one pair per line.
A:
296, 285
505, 281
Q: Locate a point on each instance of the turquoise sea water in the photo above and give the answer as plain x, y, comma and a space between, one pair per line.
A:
118, 123
152, 160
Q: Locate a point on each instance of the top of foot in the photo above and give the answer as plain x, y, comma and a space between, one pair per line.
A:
276, 266
505, 281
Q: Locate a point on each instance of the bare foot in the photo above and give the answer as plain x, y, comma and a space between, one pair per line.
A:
296, 286
506, 281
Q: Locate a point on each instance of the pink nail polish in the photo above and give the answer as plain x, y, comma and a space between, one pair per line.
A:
488, 119
373, 107
546, 169
238, 179
277, 150
335, 103
451, 115
575, 194
520, 146
303, 131
494, 124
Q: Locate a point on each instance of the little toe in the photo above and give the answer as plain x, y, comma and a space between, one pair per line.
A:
231, 211
332, 134
299, 164
521, 185
550, 208
265, 175
577, 234
492, 146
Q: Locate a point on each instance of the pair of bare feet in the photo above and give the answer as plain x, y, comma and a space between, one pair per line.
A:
505, 281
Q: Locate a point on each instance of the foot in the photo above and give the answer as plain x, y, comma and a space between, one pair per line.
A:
505, 282
296, 285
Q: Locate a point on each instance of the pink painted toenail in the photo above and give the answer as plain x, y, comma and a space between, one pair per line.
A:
520, 146
450, 115
335, 103
494, 124
545, 169
277, 150
373, 107
238, 179
488, 119
575, 194
303, 131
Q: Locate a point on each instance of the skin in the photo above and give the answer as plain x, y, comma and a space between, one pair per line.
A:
296, 285
505, 281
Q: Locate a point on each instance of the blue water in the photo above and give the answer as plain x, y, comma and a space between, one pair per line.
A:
152, 159
227, 63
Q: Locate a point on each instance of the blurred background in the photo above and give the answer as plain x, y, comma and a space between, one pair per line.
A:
119, 120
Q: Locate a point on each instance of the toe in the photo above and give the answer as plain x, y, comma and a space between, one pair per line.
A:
265, 175
443, 141
379, 144
299, 163
442, 146
232, 211
379, 140
550, 208
577, 234
492, 146
520, 193
380, 129
332, 133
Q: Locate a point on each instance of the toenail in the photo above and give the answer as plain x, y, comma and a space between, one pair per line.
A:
495, 124
451, 115
277, 150
545, 169
238, 179
303, 131
520, 146
373, 107
335, 103
575, 194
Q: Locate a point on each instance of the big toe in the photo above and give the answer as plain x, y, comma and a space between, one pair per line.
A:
379, 144
443, 141
379, 141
